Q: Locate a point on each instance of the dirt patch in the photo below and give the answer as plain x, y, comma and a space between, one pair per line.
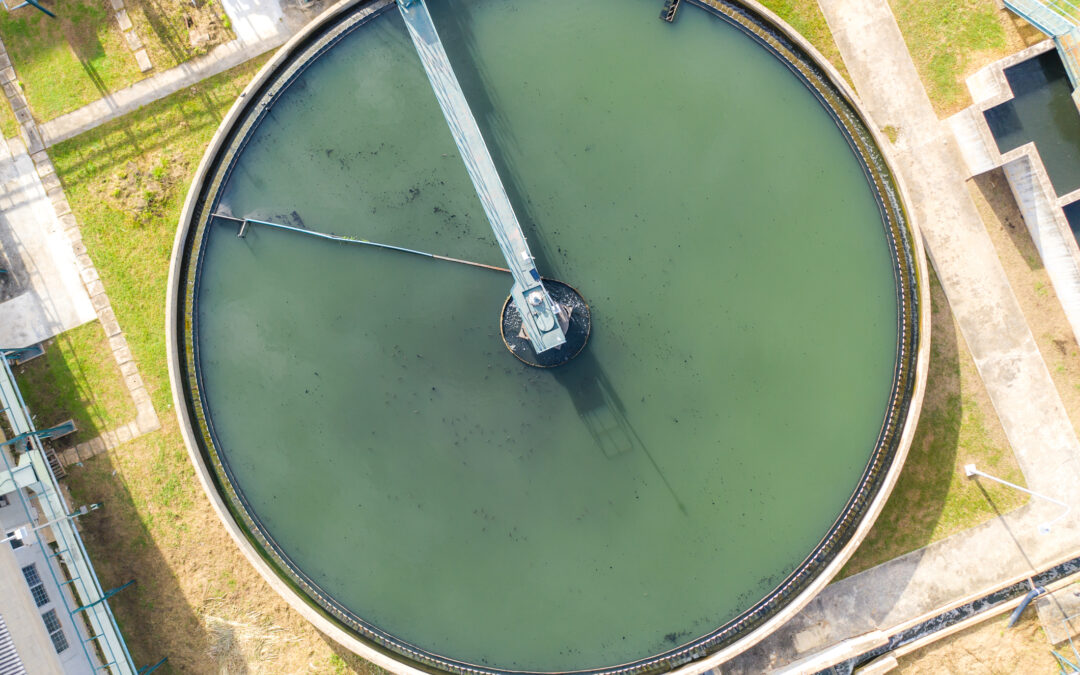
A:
197, 600
144, 185
177, 30
986, 648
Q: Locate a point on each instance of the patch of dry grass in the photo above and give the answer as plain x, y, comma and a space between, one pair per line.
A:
951, 39
988, 647
1031, 285
933, 498
177, 30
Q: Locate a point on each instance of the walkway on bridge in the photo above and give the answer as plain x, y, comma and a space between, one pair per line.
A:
1060, 20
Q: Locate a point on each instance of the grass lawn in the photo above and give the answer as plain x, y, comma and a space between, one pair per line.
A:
77, 378
805, 16
951, 39
126, 182
197, 600
177, 30
67, 62
958, 425
9, 126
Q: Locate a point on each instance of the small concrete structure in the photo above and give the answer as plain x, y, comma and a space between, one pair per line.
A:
1059, 614
1027, 176
42, 293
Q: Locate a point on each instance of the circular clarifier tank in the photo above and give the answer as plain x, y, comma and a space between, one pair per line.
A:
691, 478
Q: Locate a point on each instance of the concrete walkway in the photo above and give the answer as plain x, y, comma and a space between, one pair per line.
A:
44, 294
865, 607
260, 25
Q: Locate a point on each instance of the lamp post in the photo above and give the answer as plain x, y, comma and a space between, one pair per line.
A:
1044, 528
20, 533
23, 533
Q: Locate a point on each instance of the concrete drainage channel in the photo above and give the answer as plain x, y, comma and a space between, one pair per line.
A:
924, 631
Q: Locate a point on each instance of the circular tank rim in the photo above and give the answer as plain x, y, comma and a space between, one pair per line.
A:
691, 658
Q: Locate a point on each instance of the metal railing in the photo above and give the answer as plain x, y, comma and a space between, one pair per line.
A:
104, 637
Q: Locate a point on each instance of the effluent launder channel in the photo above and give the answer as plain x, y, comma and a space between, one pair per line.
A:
705, 463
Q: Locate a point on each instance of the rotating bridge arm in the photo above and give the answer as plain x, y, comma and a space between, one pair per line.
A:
538, 311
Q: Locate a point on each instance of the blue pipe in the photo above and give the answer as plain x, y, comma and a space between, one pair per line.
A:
1031, 595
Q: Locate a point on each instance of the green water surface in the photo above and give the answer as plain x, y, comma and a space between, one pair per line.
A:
740, 364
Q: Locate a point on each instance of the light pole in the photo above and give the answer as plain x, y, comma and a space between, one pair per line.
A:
970, 471
20, 533
23, 533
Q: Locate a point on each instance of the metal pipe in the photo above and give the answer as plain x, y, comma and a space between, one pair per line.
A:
354, 240
1044, 528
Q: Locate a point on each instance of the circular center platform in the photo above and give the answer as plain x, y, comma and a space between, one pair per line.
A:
754, 326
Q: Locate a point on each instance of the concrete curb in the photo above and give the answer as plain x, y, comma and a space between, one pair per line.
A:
146, 419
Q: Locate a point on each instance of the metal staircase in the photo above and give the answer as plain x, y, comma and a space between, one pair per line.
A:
1060, 20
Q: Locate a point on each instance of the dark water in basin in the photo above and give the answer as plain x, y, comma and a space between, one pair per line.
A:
738, 372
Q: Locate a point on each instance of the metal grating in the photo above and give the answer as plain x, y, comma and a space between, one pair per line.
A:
10, 663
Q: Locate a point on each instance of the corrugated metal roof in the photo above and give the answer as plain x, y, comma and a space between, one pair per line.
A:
10, 663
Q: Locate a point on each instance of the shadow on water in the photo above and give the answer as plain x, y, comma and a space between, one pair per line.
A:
592, 392
454, 21
603, 412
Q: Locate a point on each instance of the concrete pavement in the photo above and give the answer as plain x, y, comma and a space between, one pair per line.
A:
43, 294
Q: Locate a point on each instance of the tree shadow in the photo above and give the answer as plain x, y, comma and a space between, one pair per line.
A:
80, 26
994, 188
154, 615
172, 39
15, 278
133, 136
57, 388
914, 508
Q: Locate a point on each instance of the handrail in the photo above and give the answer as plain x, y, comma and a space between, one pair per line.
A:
73, 553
